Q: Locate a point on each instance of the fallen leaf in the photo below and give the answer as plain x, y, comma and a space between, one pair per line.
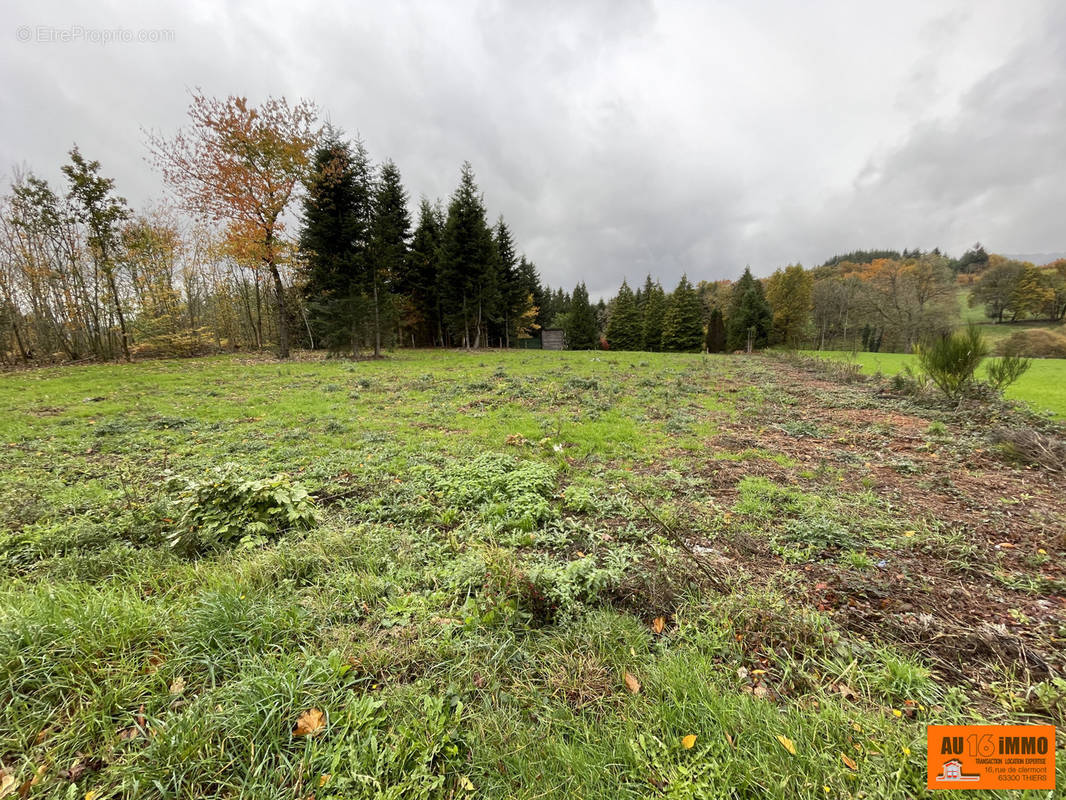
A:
324, 779
178, 686
846, 692
7, 785
632, 684
29, 783
850, 764
309, 723
92, 794
787, 744
688, 741
761, 691
658, 624
908, 534
465, 784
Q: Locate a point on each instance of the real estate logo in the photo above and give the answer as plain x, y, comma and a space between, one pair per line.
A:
990, 757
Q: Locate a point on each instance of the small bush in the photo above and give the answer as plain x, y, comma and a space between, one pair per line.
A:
225, 507
1002, 372
1034, 343
182, 344
951, 361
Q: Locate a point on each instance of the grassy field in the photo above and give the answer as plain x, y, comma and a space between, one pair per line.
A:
993, 332
530, 574
1043, 387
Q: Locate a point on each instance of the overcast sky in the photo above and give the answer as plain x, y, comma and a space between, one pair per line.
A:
617, 138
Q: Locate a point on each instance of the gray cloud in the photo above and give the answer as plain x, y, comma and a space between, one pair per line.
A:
617, 138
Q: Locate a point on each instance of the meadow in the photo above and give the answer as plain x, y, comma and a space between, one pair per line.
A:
1042, 387
519, 574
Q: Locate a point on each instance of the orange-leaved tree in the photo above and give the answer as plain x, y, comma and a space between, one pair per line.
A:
243, 166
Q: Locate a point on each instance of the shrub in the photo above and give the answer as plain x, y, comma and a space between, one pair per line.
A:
1002, 372
182, 344
1034, 343
225, 507
951, 361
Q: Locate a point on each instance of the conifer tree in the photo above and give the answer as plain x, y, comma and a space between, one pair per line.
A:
531, 286
581, 331
419, 281
467, 277
625, 324
333, 240
715, 342
682, 322
654, 309
748, 312
390, 230
513, 294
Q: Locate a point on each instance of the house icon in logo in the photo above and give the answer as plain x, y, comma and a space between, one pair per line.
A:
953, 772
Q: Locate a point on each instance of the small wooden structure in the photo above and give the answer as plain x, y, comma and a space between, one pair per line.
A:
553, 339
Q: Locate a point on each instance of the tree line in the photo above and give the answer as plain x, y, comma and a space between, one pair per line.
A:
286, 233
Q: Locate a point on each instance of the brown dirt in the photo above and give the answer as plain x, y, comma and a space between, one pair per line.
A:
980, 587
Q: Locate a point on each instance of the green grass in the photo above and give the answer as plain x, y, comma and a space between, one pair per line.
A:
992, 331
488, 558
1043, 386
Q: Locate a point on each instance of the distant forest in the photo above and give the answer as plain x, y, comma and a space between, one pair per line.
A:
83, 276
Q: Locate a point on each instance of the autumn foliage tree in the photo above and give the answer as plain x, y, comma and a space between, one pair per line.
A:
789, 291
242, 165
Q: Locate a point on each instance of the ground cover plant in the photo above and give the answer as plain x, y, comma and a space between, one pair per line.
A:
509, 574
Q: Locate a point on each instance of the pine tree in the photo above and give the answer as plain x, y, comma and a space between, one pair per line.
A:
581, 331
390, 230
683, 320
513, 294
749, 313
467, 277
715, 342
333, 241
654, 309
419, 282
625, 328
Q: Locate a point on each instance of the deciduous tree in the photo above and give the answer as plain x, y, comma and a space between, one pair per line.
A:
243, 165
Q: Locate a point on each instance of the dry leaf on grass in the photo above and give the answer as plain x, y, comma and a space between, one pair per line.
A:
787, 744
309, 723
658, 624
178, 686
632, 684
7, 785
688, 741
850, 764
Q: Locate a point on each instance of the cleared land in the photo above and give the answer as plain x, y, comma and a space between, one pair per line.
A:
534, 575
